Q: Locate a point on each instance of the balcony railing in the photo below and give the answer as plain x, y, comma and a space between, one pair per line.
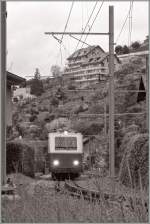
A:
87, 70
87, 80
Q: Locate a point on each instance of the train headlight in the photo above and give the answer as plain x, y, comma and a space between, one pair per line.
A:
66, 132
56, 162
75, 162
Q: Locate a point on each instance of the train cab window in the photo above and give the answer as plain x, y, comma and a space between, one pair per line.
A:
65, 143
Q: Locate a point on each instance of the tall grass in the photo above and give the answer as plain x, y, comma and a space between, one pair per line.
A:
45, 205
131, 202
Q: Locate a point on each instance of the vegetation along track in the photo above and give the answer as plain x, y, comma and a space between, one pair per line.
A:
75, 190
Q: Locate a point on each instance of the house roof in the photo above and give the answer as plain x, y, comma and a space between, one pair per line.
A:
99, 59
13, 79
83, 52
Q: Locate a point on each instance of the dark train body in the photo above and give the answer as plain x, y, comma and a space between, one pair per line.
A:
65, 153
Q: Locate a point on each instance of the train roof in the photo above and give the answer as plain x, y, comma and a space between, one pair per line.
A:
64, 133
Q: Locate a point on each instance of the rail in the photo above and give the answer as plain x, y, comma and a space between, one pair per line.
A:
96, 196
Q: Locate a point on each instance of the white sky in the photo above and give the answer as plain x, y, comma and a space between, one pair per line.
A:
29, 48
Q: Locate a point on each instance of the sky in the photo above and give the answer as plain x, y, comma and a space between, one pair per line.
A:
29, 48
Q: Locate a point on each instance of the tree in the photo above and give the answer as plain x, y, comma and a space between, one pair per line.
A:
21, 97
147, 39
118, 49
135, 45
37, 74
125, 49
36, 84
54, 101
55, 69
60, 94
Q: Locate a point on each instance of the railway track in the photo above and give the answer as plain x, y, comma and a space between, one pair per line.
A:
75, 190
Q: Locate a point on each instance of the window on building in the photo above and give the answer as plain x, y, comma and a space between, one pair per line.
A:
102, 70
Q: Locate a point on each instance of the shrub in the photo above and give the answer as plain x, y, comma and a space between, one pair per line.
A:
51, 117
37, 87
21, 129
135, 45
79, 110
54, 101
95, 109
90, 128
9, 132
125, 49
143, 70
33, 118
20, 158
15, 118
43, 134
43, 116
58, 124
135, 159
118, 49
34, 111
71, 87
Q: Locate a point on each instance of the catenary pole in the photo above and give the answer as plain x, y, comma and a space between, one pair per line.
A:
111, 93
147, 91
3, 89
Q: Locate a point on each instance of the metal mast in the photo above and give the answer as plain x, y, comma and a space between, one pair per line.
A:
3, 88
111, 93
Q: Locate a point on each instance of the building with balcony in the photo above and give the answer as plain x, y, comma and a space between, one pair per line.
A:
88, 66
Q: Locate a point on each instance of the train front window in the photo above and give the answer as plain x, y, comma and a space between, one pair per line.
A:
65, 143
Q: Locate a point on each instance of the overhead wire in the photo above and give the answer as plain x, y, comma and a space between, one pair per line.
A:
90, 26
79, 40
60, 54
60, 49
60, 40
87, 24
82, 17
67, 20
93, 21
130, 23
125, 21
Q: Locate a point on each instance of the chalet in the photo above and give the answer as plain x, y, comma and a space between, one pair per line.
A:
12, 80
88, 65
23, 93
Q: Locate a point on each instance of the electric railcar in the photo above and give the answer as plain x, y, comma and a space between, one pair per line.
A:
65, 154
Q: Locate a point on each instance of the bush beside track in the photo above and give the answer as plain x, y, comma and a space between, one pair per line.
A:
27, 157
134, 164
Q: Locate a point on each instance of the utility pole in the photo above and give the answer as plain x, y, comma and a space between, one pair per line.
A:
105, 117
147, 92
3, 89
111, 93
